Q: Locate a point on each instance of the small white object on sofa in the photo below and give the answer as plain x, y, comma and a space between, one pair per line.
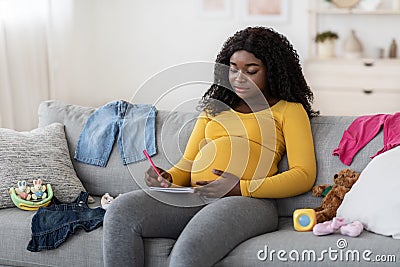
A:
374, 198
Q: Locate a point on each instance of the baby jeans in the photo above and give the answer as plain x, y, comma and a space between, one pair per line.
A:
132, 124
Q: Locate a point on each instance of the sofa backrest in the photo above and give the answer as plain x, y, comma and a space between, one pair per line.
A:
327, 133
173, 129
172, 132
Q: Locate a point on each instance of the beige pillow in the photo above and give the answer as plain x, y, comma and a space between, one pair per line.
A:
41, 153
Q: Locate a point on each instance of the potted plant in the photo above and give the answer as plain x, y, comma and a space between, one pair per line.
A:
326, 43
326, 4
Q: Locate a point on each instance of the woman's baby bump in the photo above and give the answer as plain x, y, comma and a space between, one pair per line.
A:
240, 156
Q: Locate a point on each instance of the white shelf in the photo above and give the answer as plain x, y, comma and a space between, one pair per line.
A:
344, 86
321, 12
361, 61
345, 11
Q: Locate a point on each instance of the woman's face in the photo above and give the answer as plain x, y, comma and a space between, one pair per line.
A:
247, 75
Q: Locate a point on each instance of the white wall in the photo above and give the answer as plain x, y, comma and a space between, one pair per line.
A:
114, 46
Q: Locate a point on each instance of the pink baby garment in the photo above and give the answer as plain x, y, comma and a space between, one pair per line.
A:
391, 133
364, 129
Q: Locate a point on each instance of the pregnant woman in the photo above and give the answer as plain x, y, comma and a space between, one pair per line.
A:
257, 109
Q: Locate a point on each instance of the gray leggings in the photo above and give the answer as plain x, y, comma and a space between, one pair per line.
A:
213, 229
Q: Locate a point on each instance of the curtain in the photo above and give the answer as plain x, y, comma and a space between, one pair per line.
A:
25, 61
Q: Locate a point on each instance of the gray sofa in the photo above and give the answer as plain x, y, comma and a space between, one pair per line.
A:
172, 131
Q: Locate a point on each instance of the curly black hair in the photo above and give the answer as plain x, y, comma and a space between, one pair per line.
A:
285, 80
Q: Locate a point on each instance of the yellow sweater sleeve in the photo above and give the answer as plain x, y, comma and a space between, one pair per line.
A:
180, 172
301, 175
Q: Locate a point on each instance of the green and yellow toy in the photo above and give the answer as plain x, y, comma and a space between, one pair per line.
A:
27, 198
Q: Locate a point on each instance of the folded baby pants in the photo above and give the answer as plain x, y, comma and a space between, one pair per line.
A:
133, 125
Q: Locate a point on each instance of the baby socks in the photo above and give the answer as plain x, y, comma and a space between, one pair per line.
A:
352, 229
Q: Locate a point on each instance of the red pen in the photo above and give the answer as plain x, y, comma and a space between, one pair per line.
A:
151, 162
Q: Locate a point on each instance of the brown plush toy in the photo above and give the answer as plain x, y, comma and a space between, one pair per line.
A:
343, 181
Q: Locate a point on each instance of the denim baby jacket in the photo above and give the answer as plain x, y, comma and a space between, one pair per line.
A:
53, 225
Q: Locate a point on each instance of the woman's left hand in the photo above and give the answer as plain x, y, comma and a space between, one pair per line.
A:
226, 185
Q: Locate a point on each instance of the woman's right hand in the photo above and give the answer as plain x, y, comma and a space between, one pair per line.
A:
152, 179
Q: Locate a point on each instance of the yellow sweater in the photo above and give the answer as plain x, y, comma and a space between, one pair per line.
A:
250, 145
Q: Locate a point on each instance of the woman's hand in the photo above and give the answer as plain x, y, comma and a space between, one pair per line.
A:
226, 185
152, 179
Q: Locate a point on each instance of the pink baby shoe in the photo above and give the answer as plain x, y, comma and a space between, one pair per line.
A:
352, 229
329, 227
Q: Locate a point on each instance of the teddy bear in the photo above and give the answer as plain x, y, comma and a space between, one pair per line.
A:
333, 195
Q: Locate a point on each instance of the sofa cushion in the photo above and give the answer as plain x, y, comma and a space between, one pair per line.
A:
80, 249
373, 199
327, 132
286, 247
41, 153
173, 129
